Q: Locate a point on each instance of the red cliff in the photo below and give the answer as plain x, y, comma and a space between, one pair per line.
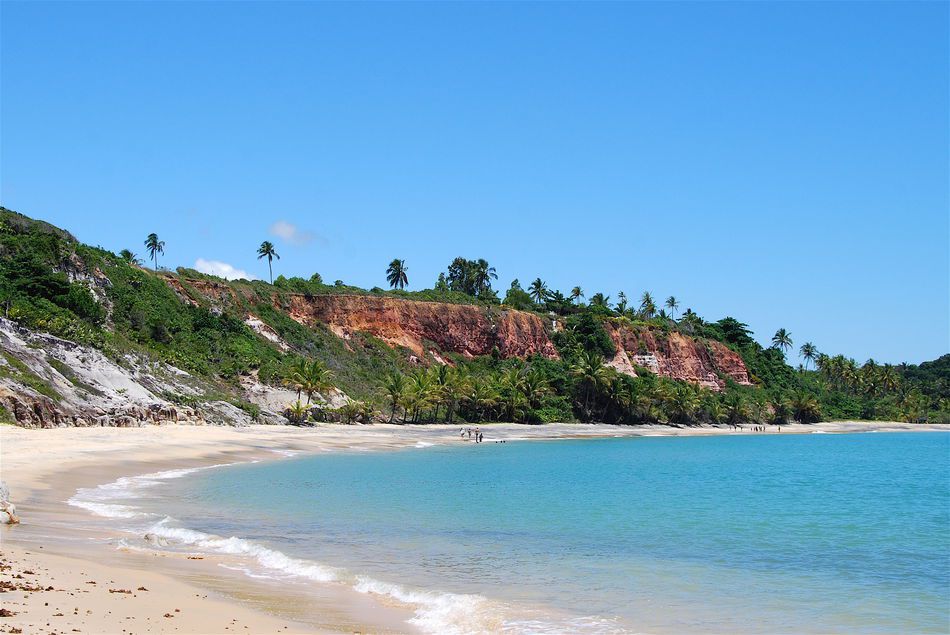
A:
675, 355
419, 326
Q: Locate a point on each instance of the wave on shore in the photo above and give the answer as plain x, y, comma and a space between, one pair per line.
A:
434, 611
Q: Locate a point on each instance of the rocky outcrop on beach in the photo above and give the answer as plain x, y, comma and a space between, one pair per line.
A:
426, 327
674, 355
49, 382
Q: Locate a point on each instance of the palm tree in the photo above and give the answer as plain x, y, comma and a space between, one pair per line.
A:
420, 393
576, 294
483, 395
395, 386
316, 379
511, 383
296, 412
538, 291
682, 402
154, 246
782, 340
591, 373
129, 257
266, 250
808, 352
484, 274
647, 306
396, 274
599, 299
890, 379
456, 386
534, 385
737, 410
805, 408
621, 302
780, 409
672, 304
294, 376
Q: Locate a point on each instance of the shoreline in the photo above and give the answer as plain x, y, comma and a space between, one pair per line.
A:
66, 547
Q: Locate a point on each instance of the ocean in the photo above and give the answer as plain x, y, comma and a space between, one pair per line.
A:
819, 533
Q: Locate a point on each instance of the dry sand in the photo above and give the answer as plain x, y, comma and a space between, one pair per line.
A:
51, 560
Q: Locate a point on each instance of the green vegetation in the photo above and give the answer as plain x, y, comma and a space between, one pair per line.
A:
19, 371
49, 282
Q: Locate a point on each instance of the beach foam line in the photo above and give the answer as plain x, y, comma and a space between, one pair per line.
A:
100, 500
439, 612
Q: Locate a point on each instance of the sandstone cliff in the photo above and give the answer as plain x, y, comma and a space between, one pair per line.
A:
675, 355
423, 326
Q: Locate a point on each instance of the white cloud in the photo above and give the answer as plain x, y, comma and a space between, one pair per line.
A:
291, 233
222, 270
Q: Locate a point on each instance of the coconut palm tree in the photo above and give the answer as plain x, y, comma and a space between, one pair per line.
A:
420, 393
456, 386
591, 374
483, 276
316, 379
782, 340
808, 352
780, 409
621, 303
483, 395
129, 257
647, 305
154, 246
534, 386
395, 386
682, 402
511, 383
736, 409
266, 250
805, 408
396, 274
294, 376
599, 299
890, 378
538, 291
672, 304
576, 294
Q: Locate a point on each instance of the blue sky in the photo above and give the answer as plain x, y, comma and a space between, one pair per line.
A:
784, 163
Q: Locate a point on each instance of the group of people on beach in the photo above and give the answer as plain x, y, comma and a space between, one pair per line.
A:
754, 428
479, 437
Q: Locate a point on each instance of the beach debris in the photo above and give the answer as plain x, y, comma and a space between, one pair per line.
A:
141, 588
6, 613
120, 591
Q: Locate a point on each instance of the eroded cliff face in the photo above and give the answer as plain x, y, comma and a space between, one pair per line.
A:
677, 356
468, 330
85, 388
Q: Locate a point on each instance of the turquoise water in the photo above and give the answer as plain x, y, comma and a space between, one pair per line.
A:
798, 533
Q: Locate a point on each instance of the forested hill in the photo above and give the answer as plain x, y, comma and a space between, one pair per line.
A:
92, 337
